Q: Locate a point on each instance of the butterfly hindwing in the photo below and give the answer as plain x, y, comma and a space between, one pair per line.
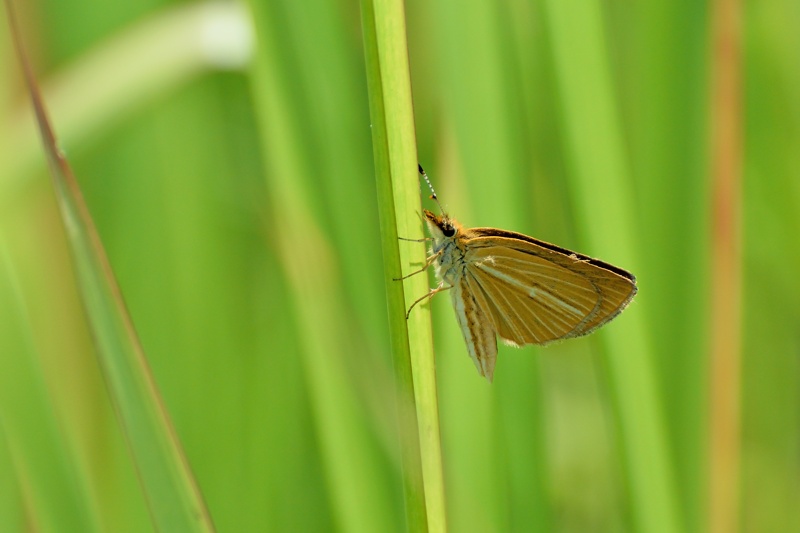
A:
476, 328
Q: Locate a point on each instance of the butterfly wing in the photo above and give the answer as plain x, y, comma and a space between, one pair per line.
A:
536, 293
476, 327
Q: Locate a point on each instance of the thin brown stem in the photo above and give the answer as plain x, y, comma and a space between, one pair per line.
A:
725, 363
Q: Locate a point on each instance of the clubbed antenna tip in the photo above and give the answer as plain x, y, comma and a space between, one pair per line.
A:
433, 193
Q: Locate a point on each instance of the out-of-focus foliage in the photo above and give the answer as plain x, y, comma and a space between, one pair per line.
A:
181, 179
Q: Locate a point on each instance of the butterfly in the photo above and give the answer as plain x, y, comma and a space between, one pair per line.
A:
523, 290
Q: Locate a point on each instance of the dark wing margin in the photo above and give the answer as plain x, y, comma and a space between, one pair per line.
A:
492, 232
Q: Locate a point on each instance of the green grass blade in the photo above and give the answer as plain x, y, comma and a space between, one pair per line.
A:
40, 453
604, 207
11, 497
668, 143
394, 147
361, 500
172, 494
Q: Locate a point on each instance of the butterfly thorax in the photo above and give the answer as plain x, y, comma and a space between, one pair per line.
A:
448, 247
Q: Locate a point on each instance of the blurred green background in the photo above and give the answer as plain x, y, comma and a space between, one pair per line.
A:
195, 196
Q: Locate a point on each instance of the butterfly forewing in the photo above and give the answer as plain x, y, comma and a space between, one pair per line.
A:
537, 293
531, 300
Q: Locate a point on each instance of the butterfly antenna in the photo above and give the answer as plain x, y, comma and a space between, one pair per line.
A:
433, 193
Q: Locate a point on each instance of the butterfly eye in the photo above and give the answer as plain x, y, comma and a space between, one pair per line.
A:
448, 230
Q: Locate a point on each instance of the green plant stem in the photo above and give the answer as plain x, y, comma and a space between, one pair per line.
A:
394, 146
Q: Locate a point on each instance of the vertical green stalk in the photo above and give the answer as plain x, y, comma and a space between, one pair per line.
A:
361, 500
668, 153
394, 146
604, 206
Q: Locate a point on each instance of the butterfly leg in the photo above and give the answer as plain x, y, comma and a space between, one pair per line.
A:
428, 262
430, 294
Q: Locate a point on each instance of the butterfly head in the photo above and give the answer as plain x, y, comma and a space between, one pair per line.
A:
441, 227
